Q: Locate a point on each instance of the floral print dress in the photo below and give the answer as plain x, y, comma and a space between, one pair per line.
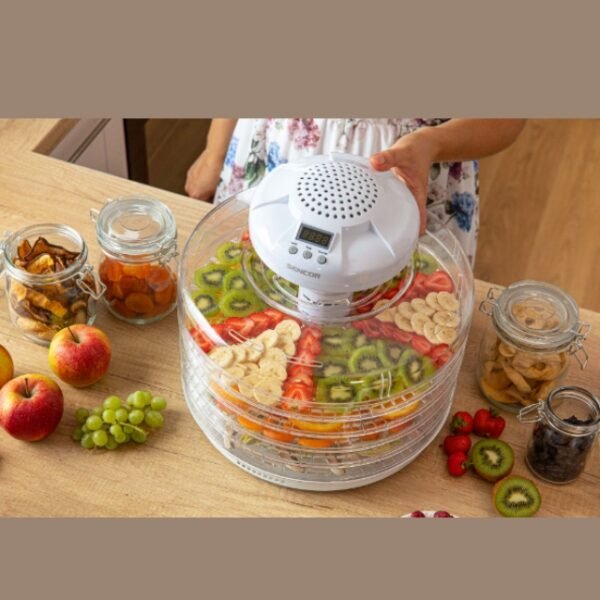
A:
259, 145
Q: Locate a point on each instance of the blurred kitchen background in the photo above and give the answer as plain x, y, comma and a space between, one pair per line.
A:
540, 198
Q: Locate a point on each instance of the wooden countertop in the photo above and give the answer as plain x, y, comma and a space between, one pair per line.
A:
178, 473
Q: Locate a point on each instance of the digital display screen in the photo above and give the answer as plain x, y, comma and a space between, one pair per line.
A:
314, 236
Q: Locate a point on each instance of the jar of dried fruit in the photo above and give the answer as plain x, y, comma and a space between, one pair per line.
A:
566, 426
49, 284
525, 351
138, 239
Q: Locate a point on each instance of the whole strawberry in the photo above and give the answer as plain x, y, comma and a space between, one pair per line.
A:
462, 422
488, 423
457, 443
458, 464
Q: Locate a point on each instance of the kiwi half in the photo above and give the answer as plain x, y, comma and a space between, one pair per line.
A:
211, 276
425, 263
332, 366
390, 353
238, 303
229, 253
235, 280
206, 301
365, 360
414, 368
335, 389
516, 497
492, 459
336, 342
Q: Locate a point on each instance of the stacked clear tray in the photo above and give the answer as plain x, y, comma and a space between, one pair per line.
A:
323, 446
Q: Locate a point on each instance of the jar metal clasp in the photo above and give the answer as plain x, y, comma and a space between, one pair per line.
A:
97, 293
168, 252
576, 348
487, 305
531, 413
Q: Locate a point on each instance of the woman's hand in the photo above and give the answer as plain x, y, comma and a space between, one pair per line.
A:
410, 159
203, 176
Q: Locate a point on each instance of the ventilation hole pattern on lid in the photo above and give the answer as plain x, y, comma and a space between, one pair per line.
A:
338, 191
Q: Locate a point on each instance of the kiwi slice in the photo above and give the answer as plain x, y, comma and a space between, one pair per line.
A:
332, 366
365, 360
360, 340
492, 459
390, 353
229, 253
516, 497
238, 303
335, 342
414, 368
206, 301
235, 280
211, 276
425, 263
335, 389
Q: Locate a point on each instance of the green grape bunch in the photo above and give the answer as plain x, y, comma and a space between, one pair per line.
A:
116, 423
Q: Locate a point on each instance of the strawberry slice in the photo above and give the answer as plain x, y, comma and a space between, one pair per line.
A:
312, 331
275, 316
441, 354
262, 322
303, 378
309, 345
241, 325
421, 345
438, 282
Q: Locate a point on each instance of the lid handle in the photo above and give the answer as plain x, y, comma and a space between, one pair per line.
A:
487, 305
97, 293
525, 414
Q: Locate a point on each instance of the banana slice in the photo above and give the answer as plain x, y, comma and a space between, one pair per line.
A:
418, 322
403, 323
405, 309
448, 301
445, 318
445, 335
267, 391
386, 316
420, 306
249, 367
381, 303
222, 356
429, 333
275, 355
270, 368
236, 372
269, 338
248, 383
289, 327
289, 348
432, 300
239, 352
254, 350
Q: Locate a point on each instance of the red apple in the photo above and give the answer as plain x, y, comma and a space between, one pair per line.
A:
31, 407
7, 370
80, 355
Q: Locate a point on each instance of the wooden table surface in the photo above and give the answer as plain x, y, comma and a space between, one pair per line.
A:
177, 472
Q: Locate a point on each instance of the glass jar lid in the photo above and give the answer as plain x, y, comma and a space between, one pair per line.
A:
537, 316
135, 227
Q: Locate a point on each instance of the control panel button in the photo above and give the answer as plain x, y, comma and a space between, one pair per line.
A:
293, 250
307, 254
321, 259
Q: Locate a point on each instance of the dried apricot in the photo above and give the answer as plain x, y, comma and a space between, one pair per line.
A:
133, 284
159, 279
165, 296
139, 303
119, 307
141, 271
112, 270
